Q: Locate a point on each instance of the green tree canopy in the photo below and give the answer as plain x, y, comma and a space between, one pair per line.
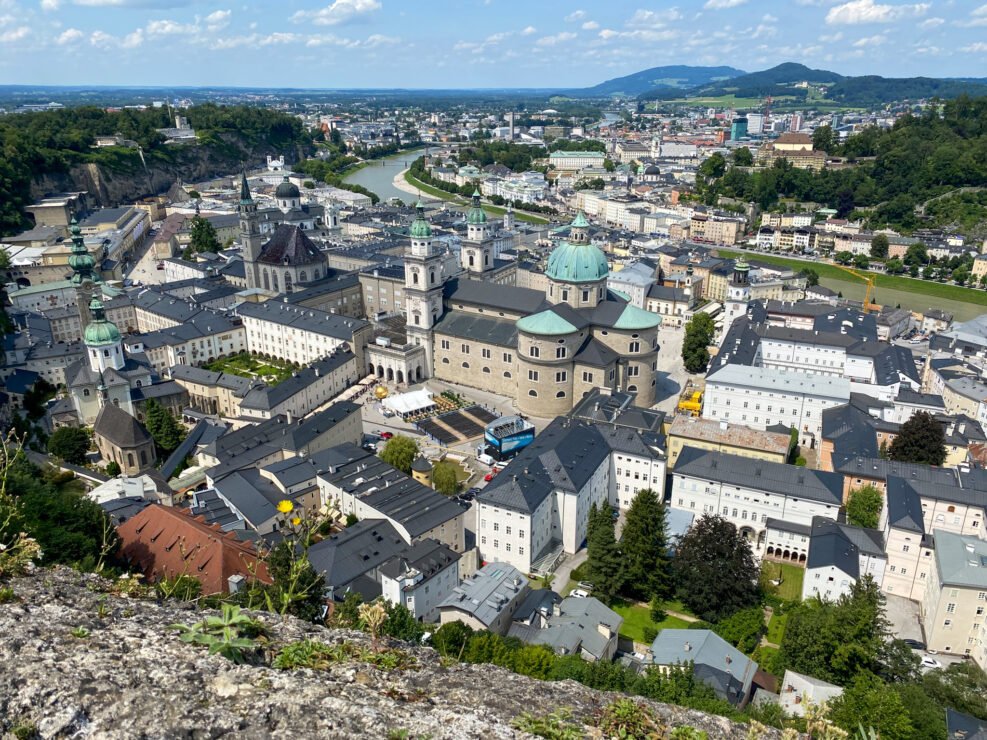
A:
823, 139
743, 629
400, 451
863, 506
444, 478
163, 427
879, 246
742, 157
644, 546
603, 559
699, 333
70, 443
921, 439
868, 701
715, 571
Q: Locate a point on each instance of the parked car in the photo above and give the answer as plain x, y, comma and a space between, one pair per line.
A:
491, 475
386, 435
929, 662
579, 593
585, 586
915, 644
485, 459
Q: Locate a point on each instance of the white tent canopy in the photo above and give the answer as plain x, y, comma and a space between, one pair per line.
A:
409, 403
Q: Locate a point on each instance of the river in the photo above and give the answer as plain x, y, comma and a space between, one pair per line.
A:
378, 175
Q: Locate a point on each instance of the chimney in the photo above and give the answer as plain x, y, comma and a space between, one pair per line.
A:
687, 647
290, 417
604, 630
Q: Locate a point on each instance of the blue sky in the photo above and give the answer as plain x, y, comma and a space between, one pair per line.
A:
472, 43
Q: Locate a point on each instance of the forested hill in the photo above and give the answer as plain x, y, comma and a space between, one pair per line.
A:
867, 91
676, 77
920, 158
54, 149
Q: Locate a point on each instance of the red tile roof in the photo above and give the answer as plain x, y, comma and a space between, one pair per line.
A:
165, 542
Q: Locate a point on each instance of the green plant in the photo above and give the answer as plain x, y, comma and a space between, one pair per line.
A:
628, 720
79, 632
320, 656
557, 725
685, 732
229, 635
101, 610
372, 618
183, 588
24, 730
7, 595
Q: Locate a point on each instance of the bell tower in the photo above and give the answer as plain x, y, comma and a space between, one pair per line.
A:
422, 285
477, 254
250, 237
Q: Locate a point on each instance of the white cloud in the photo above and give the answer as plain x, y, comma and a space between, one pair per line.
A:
576, 15
931, 22
69, 36
763, 31
875, 40
653, 18
170, 28
722, 4
982, 10
932, 51
831, 38
158, 4
371, 42
640, 34
559, 38
218, 19
856, 12
133, 40
15, 34
978, 48
50, 6
528, 30
340, 11
590, 26
6, 20
101, 39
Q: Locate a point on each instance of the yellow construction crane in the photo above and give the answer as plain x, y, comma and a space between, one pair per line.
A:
869, 293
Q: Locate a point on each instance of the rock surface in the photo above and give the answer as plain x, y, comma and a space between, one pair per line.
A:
81, 662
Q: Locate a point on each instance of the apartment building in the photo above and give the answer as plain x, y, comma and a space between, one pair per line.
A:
300, 335
721, 436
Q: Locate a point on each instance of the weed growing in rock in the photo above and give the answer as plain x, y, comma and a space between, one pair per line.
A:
80, 633
321, 656
557, 725
685, 732
625, 718
7, 595
25, 730
232, 635
372, 618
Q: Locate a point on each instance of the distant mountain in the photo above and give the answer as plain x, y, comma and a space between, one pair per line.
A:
675, 77
870, 90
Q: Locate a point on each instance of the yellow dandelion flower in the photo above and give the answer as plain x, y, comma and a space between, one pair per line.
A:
285, 506
295, 521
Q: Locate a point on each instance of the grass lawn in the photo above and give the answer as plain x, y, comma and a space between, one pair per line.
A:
677, 606
790, 588
636, 618
895, 282
492, 210
776, 628
245, 365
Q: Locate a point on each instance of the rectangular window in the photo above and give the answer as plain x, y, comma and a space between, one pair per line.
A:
496, 544
560, 352
508, 357
587, 377
465, 348
485, 353
950, 608
496, 526
533, 352
533, 375
561, 376
445, 344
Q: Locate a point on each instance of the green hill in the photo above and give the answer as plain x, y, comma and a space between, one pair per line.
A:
675, 78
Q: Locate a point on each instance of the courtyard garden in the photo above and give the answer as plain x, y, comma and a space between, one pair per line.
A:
246, 365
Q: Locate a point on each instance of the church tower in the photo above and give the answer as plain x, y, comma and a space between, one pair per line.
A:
250, 237
509, 218
84, 275
739, 292
477, 254
104, 344
422, 286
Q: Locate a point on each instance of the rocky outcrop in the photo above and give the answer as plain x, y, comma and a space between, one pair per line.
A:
79, 661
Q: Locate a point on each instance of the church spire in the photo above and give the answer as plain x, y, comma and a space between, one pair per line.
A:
245, 198
82, 263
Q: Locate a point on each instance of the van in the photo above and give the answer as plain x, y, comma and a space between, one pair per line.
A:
482, 456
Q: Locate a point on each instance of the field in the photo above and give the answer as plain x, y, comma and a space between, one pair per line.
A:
790, 588
915, 293
492, 210
637, 617
248, 366
776, 628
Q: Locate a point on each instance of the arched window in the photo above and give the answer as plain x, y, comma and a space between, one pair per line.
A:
138, 383
632, 389
634, 347
431, 277
471, 262
445, 360
116, 402
486, 370
130, 459
533, 393
486, 259
414, 277
143, 457
287, 282
267, 281
507, 374
85, 392
466, 365
315, 275
302, 276
560, 394
274, 282
106, 353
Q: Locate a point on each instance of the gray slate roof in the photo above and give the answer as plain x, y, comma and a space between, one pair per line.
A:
487, 592
120, 428
347, 555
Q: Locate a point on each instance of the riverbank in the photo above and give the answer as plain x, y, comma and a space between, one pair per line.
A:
914, 294
414, 184
404, 185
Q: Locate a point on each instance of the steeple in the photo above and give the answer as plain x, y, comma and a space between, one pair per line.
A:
103, 341
245, 198
82, 263
579, 230
476, 215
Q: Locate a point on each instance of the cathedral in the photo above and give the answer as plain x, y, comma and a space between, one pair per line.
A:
545, 349
277, 254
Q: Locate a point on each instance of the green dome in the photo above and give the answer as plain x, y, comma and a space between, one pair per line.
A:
287, 190
634, 318
546, 323
476, 215
420, 228
100, 332
577, 263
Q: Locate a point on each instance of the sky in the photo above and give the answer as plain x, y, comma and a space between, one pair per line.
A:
473, 43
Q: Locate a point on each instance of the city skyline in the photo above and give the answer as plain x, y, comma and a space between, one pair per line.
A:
473, 44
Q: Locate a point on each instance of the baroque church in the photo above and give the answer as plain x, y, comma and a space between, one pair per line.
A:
545, 349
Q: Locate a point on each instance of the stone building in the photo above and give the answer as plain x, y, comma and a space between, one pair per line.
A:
122, 439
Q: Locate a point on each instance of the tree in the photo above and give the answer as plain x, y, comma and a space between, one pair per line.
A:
879, 246
644, 545
713, 167
113, 468
870, 701
444, 478
836, 640
810, 275
451, 638
894, 266
204, 237
920, 440
743, 629
823, 139
715, 571
861, 262
164, 429
401, 452
916, 255
742, 157
297, 587
863, 506
603, 560
843, 258
699, 333
70, 443
401, 624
